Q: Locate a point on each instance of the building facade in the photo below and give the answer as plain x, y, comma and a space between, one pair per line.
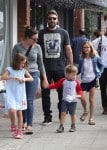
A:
8, 30
14, 14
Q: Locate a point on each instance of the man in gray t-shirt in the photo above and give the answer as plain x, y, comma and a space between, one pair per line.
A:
57, 52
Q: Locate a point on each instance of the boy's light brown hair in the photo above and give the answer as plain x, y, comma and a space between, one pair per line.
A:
71, 69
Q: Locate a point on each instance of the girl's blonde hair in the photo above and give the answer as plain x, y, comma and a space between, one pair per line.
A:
93, 51
71, 69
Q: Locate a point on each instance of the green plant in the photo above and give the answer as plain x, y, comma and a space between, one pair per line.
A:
88, 23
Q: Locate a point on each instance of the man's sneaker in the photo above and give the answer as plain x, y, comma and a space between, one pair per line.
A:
46, 122
72, 129
60, 129
19, 134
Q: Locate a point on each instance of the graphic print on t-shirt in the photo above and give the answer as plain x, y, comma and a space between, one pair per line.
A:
52, 45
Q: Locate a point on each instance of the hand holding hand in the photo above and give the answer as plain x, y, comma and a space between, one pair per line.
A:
45, 84
78, 96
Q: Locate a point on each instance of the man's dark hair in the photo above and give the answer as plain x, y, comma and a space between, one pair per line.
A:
97, 33
82, 32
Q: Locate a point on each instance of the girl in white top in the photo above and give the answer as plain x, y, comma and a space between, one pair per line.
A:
16, 76
91, 68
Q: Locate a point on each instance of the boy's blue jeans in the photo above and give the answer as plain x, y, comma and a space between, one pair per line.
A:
30, 92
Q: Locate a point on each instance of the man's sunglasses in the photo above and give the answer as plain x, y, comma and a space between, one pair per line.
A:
52, 18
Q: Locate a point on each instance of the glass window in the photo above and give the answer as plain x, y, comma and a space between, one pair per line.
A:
1, 31
37, 15
1, 20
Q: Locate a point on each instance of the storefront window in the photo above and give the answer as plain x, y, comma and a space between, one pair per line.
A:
1, 21
1, 31
37, 15
40, 17
4, 34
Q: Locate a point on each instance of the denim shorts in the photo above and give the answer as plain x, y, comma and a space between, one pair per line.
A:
68, 107
88, 86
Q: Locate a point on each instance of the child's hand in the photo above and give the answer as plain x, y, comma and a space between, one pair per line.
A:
78, 96
20, 80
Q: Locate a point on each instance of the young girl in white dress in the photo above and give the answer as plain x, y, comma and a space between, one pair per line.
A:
16, 75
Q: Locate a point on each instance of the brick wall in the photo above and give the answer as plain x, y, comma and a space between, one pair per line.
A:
77, 21
23, 17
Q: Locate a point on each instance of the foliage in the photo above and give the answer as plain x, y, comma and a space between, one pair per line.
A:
88, 23
92, 22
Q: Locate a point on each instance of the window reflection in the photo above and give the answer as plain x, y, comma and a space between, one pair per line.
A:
37, 14
1, 30
1, 20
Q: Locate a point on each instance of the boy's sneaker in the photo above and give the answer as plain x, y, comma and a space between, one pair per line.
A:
72, 129
13, 130
47, 122
19, 134
60, 129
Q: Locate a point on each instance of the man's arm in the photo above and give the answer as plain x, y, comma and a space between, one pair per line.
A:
69, 54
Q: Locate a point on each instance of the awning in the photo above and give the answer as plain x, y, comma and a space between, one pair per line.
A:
101, 3
90, 4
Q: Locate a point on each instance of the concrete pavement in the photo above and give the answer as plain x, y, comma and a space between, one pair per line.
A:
87, 137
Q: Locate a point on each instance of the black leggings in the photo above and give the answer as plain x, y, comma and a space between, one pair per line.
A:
46, 102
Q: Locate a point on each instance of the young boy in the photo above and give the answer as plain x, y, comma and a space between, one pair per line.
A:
71, 91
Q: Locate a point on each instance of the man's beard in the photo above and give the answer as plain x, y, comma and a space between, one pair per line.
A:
51, 25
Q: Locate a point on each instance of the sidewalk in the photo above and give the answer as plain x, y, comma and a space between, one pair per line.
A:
86, 137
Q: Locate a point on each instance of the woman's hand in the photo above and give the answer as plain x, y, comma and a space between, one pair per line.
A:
45, 84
